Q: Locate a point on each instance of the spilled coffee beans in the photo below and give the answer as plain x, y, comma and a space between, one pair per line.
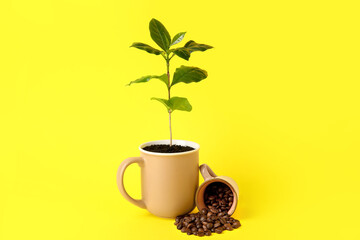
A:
205, 222
218, 198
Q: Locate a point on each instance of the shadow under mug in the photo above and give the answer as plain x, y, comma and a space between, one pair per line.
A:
168, 180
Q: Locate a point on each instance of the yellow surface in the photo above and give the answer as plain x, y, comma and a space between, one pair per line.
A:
279, 113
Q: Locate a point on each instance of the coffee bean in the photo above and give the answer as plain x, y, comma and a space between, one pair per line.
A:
236, 224
222, 221
226, 225
218, 230
183, 229
204, 211
208, 233
217, 224
213, 210
179, 226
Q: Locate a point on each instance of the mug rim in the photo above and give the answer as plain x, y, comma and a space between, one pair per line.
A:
195, 145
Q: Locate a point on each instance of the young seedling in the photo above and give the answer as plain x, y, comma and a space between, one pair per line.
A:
183, 74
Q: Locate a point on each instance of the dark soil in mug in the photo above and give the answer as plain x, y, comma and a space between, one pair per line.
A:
166, 148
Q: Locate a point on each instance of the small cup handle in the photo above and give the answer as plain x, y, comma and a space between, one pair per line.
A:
206, 172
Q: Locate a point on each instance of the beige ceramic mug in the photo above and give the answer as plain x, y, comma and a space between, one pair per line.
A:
168, 180
210, 177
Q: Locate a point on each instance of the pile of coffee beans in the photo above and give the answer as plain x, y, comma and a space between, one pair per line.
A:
218, 198
206, 222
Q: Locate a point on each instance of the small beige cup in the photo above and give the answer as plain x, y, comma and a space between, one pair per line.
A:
168, 180
210, 177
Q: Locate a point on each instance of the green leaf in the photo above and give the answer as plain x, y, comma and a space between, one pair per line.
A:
192, 46
180, 103
145, 47
189, 47
178, 38
182, 52
163, 101
159, 34
175, 103
188, 74
147, 78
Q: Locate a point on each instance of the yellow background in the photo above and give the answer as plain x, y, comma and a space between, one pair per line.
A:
279, 113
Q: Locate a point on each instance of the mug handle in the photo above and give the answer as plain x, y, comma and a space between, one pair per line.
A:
206, 172
120, 180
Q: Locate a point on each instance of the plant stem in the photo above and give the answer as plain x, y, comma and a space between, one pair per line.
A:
170, 128
168, 75
172, 56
